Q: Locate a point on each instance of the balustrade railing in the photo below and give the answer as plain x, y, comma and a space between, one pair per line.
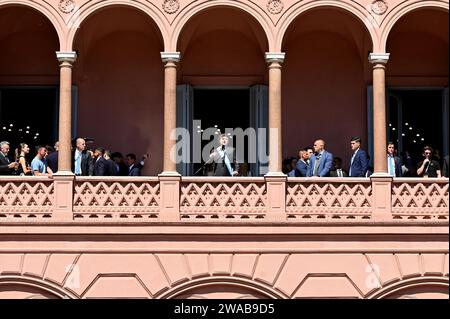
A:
212, 199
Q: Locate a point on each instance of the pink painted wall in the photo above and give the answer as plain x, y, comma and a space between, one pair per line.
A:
217, 52
28, 43
418, 44
120, 81
324, 83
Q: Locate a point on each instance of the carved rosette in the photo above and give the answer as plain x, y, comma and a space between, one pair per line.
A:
171, 6
275, 6
66, 6
379, 7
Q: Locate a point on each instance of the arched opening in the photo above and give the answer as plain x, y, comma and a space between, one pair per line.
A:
325, 80
417, 80
20, 291
29, 78
119, 82
221, 287
222, 60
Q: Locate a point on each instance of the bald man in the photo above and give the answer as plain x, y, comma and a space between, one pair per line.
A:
321, 161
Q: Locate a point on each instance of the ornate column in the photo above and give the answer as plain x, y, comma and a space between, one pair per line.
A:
381, 181
379, 61
274, 61
170, 60
63, 179
170, 179
275, 179
66, 60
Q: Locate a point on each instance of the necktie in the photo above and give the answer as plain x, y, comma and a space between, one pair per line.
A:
226, 160
78, 163
391, 166
316, 165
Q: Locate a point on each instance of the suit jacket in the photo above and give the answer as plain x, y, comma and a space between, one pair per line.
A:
360, 164
4, 162
301, 169
135, 170
101, 167
123, 169
52, 161
112, 169
445, 167
87, 163
325, 164
334, 173
220, 168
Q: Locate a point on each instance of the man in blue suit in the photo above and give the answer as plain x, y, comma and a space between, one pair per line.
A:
301, 169
321, 161
359, 162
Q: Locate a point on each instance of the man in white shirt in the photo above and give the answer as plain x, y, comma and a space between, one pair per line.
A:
393, 162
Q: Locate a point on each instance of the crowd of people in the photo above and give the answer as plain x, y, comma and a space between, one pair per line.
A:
316, 161
311, 161
95, 162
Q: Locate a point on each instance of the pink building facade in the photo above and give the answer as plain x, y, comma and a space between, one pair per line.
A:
119, 70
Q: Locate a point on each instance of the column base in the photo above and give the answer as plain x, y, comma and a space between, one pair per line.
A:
276, 196
64, 174
381, 174
275, 174
169, 174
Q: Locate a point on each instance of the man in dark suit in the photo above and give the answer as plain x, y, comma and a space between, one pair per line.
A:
225, 163
134, 167
52, 158
101, 167
321, 161
121, 167
359, 162
445, 166
393, 162
83, 164
301, 169
337, 170
6, 166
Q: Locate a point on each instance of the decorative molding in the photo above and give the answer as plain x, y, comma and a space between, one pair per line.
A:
379, 58
379, 7
171, 6
69, 56
67, 6
275, 57
275, 6
170, 57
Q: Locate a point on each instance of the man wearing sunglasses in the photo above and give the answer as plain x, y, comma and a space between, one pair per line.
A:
428, 167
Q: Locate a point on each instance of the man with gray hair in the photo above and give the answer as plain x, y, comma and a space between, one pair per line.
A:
6, 166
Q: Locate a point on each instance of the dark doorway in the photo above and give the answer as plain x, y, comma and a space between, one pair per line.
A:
416, 119
29, 115
222, 109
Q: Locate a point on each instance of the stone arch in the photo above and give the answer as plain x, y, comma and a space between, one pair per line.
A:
45, 10
186, 16
239, 288
416, 285
352, 8
400, 11
34, 287
86, 11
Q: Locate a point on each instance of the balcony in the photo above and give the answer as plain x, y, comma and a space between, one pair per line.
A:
255, 200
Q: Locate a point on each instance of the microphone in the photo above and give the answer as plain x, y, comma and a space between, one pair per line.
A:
223, 147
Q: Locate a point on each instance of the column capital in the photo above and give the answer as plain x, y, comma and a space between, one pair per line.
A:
275, 57
379, 58
68, 56
170, 57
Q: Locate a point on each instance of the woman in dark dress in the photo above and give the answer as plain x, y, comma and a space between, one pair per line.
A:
24, 167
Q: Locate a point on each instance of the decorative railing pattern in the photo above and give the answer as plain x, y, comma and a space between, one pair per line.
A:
329, 199
214, 199
427, 199
217, 198
26, 198
116, 198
